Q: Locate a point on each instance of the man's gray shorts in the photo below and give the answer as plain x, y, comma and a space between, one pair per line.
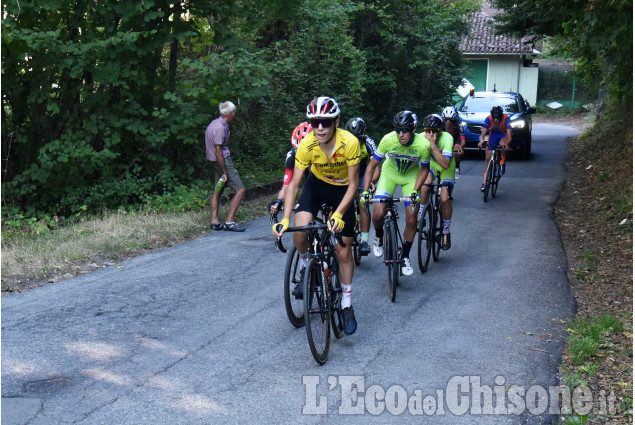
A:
233, 179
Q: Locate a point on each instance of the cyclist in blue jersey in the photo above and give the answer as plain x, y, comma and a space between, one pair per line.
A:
498, 125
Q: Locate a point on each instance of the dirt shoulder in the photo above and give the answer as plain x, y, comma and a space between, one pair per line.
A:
600, 261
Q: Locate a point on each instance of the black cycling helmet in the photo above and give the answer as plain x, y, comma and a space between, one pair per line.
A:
405, 119
357, 126
433, 121
497, 112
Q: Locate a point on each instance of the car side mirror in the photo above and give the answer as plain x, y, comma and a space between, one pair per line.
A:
531, 110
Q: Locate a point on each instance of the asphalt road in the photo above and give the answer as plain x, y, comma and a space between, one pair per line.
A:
197, 333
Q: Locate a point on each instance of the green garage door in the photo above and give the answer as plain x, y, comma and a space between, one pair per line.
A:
477, 73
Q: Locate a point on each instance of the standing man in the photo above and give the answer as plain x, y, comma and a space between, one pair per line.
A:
216, 151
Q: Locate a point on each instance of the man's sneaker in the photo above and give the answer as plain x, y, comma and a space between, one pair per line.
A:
483, 187
233, 227
217, 226
364, 249
348, 317
446, 244
406, 268
378, 249
298, 292
502, 169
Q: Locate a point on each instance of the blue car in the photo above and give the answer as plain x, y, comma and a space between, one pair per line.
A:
476, 106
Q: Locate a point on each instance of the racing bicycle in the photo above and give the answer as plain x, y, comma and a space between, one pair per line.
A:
393, 241
430, 226
322, 288
492, 175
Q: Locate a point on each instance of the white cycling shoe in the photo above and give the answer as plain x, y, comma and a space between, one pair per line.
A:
406, 268
378, 250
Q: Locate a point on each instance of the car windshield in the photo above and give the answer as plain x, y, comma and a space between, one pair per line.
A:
485, 104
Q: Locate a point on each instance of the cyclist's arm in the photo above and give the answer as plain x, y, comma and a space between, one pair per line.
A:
506, 141
370, 173
351, 191
438, 156
292, 192
481, 139
421, 177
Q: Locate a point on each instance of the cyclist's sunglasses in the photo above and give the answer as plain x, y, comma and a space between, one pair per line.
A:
402, 130
432, 131
325, 122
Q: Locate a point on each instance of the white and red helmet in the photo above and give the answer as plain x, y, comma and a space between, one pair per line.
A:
299, 133
322, 107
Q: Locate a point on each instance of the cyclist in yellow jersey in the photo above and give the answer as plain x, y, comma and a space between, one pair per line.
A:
334, 156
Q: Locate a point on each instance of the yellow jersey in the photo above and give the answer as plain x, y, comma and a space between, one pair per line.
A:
333, 169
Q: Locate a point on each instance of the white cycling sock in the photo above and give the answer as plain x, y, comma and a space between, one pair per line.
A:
304, 259
346, 296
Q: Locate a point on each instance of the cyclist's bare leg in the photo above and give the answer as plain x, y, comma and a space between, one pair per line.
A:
300, 240
446, 205
411, 225
488, 155
364, 219
425, 190
379, 211
347, 264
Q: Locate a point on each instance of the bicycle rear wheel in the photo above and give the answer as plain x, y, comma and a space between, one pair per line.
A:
392, 258
292, 278
316, 312
437, 230
488, 180
425, 238
337, 324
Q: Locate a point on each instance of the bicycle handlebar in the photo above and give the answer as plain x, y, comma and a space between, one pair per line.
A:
313, 227
387, 200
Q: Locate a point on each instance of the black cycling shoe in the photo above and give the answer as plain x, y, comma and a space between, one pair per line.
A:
348, 317
364, 248
483, 187
217, 226
446, 242
298, 292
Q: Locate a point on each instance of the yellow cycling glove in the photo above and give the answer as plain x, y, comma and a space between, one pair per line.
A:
338, 223
285, 225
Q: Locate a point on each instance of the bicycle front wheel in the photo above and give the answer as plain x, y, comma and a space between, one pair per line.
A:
316, 312
392, 258
495, 179
335, 288
437, 230
425, 238
357, 246
488, 180
293, 278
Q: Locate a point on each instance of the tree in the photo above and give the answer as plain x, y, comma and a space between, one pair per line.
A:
598, 33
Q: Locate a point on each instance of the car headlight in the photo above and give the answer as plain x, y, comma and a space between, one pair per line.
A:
518, 124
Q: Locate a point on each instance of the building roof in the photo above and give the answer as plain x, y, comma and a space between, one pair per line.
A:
483, 40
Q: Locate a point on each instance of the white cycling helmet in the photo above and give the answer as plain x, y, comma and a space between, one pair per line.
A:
322, 107
449, 113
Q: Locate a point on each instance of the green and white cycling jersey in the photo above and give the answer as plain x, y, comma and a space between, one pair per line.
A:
403, 159
402, 163
445, 143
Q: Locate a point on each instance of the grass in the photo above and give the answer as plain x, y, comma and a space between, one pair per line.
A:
590, 335
91, 243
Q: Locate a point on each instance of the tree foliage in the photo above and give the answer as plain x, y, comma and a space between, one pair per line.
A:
106, 104
598, 33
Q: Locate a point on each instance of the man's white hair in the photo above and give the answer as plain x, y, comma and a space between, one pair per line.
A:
226, 108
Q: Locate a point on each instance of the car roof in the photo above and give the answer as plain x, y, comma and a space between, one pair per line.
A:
494, 94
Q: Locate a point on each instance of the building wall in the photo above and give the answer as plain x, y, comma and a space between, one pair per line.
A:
506, 73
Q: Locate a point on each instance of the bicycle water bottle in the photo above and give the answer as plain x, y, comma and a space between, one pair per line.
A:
219, 185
